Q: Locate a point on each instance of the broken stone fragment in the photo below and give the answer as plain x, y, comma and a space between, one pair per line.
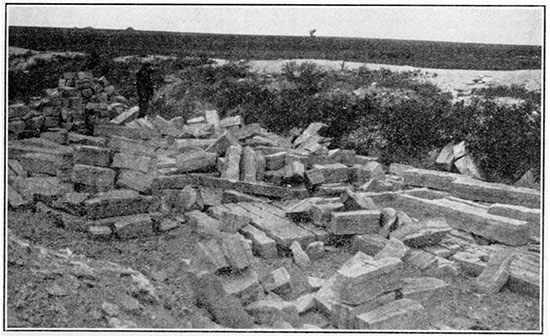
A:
394, 248
278, 282
356, 201
232, 222
496, 273
369, 244
426, 233
299, 256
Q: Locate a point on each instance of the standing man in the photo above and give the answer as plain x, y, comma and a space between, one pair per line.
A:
145, 89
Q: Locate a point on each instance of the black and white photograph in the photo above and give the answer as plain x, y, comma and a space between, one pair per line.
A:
319, 168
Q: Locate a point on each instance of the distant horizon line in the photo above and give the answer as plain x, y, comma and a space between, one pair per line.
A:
306, 36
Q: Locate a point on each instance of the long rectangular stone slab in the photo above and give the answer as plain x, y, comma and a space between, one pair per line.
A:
116, 203
44, 163
277, 228
18, 149
132, 146
256, 188
354, 222
467, 218
29, 187
142, 163
429, 178
105, 130
476, 190
261, 243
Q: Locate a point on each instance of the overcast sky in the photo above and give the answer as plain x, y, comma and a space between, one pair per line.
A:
507, 25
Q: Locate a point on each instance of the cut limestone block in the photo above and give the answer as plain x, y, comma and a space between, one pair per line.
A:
135, 226
427, 193
355, 280
430, 178
496, 273
468, 218
105, 130
17, 168
446, 158
333, 173
43, 187
226, 309
237, 251
315, 177
344, 156
100, 232
475, 190
196, 159
231, 121
271, 311
524, 269
274, 177
135, 162
203, 224
531, 216
262, 189
398, 168
260, 166
396, 315
294, 173
304, 303
16, 200
389, 221
222, 143
232, 222
246, 131
44, 163
427, 232
278, 282
354, 222
126, 117
92, 156
166, 224
262, 245
132, 146
369, 244
210, 256
299, 212
183, 144
275, 161
212, 117
344, 315
80, 139
316, 250
72, 203
357, 201
276, 227
135, 180
59, 136
119, 203
421, 289
321, 213
196, 131
394, 249
244, 286
466, 166
101, 178
232, 165
314, 284
300, 257
249, 165
422, 260
312, 130
364, 173
232, 196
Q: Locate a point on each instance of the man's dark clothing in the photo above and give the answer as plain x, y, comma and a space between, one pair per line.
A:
145, 89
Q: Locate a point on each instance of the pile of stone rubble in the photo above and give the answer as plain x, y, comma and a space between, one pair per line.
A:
252, 194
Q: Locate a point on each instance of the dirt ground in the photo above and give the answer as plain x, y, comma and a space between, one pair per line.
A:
164, 259
445, 79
